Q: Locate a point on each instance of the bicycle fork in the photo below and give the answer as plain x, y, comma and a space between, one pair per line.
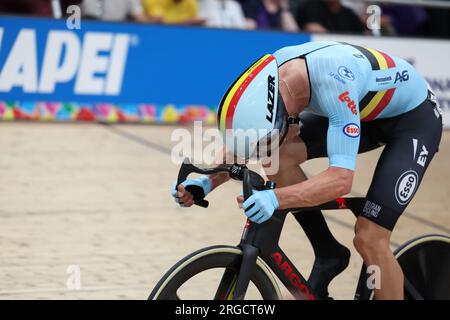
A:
248, 264
249, 256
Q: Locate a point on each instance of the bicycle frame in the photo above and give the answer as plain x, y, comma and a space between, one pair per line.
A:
262, 240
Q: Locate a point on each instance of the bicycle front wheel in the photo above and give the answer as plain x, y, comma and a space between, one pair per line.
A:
425, 262
211, 273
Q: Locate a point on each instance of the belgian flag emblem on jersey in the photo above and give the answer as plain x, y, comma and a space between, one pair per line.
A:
374, 102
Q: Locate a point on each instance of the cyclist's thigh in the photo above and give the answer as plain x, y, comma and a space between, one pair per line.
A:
314, 134
414, 139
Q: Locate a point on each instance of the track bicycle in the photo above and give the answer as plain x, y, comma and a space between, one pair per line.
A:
258, 258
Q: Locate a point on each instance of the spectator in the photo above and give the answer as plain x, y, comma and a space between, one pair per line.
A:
33, 7
438, 23
222, 14
173, 11
113, 10
270, 14
328, 15
360, 9
295, 4
406, 20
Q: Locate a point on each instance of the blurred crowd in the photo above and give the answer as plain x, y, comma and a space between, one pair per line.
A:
318, 16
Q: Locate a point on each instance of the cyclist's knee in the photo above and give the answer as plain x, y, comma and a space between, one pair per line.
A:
371, 241
369, 246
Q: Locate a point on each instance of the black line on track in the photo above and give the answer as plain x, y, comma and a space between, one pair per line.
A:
137, 139
167, 151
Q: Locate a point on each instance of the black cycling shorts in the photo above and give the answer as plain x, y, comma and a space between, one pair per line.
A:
410, 140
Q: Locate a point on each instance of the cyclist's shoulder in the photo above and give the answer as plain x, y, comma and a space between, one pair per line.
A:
290, 52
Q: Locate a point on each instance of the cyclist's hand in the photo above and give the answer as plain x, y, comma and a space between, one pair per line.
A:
190, 190
183, 197
260, 206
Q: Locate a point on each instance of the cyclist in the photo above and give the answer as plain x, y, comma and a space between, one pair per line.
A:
348, 99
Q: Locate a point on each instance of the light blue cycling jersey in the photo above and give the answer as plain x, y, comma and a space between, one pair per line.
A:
350, 84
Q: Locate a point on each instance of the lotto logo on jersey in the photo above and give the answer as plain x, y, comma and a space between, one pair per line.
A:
344, 97
351, 130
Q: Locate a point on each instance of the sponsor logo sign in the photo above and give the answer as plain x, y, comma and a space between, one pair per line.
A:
344, 97
402, 76
346, 73
270, 97
423, 154
406, 186
351, 130
292, 276
383, 80
371, 209
91, 65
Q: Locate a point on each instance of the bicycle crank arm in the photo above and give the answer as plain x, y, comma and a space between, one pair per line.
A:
250, 254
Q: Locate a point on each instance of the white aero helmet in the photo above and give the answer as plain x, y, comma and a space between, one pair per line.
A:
252, 116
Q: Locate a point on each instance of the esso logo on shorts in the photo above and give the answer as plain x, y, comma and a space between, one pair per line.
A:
351, 130
346, 73
406, 186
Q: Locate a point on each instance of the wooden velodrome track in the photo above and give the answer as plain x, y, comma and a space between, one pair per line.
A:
97, 196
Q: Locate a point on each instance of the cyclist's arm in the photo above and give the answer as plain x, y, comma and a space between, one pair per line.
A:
223, 157
342, 146
326, 186
218, 178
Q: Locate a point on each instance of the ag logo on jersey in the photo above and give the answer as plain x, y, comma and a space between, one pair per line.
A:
406, 186
351, 130
346, 73
403, 76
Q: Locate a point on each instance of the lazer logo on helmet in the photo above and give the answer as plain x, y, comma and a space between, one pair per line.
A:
270, 97
93, 64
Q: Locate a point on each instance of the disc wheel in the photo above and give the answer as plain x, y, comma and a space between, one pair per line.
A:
425, 262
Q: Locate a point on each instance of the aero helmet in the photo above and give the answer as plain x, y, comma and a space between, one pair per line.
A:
251, 114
